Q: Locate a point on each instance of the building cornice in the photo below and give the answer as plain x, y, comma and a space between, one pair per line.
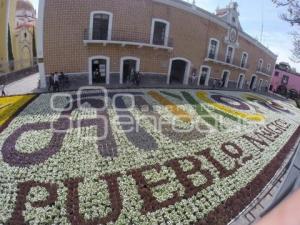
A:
213, 18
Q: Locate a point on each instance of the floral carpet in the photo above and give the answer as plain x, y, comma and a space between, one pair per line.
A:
139, 156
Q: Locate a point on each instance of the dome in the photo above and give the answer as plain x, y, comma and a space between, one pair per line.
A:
24, 5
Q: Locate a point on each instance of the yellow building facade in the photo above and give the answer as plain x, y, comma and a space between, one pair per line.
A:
20, 17
3, 31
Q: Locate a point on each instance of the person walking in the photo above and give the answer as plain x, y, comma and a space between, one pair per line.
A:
51, 82
222, 84
2, 90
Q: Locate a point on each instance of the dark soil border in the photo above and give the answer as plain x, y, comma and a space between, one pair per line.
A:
228, 210
6, 124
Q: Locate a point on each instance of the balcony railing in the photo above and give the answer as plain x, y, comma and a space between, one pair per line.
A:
224, 60
264, 71
125, 37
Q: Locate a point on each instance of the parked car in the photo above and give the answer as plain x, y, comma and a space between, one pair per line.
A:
293, 94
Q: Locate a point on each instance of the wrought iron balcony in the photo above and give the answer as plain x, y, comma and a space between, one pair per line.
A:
264, 71
125, 37
226, 61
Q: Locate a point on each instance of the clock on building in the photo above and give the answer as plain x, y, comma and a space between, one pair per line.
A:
233, 35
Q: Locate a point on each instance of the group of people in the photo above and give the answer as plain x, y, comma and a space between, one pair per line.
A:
55, 81
135, 77
218, 83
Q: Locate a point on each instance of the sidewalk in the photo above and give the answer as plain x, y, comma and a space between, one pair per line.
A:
30, 85
24, 86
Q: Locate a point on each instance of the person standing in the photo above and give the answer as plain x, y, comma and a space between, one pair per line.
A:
51, 82
132, 76
2, 87
194, 76
139, 76
56, 81
215, 81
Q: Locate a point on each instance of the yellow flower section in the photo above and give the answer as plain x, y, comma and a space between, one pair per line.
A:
178, 112
253, 117
10, 105
255, 97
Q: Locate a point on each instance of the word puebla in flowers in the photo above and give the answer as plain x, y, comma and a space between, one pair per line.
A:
141, 157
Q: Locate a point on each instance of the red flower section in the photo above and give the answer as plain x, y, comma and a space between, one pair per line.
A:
73, 201
151, 204
182, 176
23, 190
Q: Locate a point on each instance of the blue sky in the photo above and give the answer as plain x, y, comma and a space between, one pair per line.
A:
276, 32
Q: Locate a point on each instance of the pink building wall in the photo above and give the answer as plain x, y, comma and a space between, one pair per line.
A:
293, 80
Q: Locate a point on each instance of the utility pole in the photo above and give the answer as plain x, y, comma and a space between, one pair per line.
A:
262, 21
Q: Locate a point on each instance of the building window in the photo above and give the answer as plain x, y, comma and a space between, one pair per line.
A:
229, 54
276, 74
100, 25
269, 68
266, 86
204, 76
244, 60
285, 80
213, 49
160, 32
260, 65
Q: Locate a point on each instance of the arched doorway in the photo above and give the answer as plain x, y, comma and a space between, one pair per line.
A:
127, 65
253, 82
99, 70
260, 84
179, 70
241, 81
204, 76
225, 78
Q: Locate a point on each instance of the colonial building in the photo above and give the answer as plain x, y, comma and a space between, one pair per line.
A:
170, 39
285, 79
17, 20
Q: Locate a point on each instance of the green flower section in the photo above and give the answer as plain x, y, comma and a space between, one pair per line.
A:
203, 112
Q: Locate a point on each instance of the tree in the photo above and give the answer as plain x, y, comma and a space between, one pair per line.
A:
293, 10
10, 52
293, 17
